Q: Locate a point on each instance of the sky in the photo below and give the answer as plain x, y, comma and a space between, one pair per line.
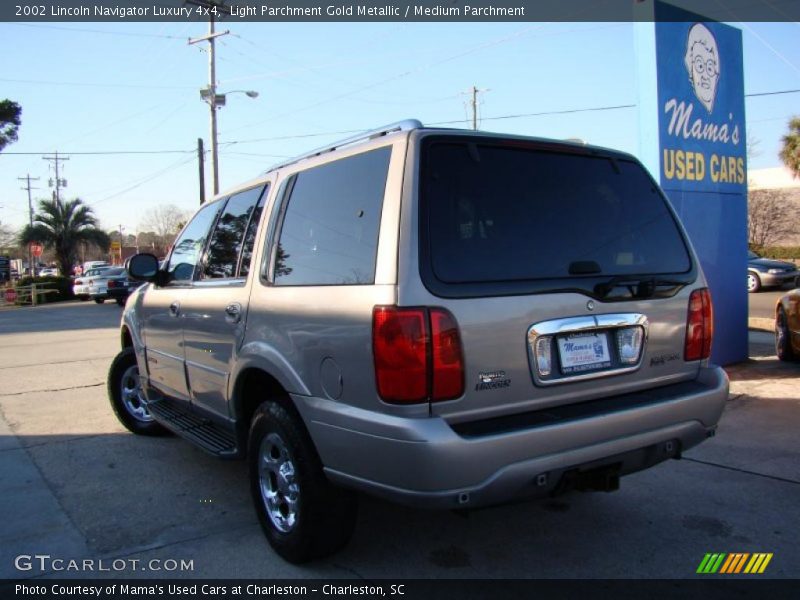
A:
122, 100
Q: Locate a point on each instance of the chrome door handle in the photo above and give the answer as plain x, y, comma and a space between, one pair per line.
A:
233, 312
175, 308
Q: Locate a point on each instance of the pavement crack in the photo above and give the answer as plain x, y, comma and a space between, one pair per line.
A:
56, 362
126, 552
351, 571
745, 471
74, 387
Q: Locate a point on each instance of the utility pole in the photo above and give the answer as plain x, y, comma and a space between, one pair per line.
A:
28, 187
474, 104
201, 166
210, 95
59, 183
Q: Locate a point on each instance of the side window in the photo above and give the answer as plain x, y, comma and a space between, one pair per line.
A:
250, 237
222, 255
188, 248
329, 234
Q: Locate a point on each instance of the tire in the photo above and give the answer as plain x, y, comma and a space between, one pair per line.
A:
121, 301
99, 299
783, 339
302, 514
753, 282
83, 297
125, 394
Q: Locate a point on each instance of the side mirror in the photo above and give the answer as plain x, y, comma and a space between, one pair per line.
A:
143, 267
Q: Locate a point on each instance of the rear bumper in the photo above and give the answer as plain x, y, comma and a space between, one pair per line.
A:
425, 462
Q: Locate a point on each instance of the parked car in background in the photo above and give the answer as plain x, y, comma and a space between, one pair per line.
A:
120, 287
80, 287
98, 284
49, 272
766, 272
94, 264
787, 326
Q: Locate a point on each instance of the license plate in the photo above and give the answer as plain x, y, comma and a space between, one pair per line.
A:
583, 352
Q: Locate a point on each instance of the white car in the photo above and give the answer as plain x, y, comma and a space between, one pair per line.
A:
48, 271
80, 288
98, 284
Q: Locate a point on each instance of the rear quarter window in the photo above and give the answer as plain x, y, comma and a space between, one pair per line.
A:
329, 234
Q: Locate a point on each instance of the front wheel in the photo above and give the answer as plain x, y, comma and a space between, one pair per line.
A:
121, 301
783, 339
303, 516
127, 398
753, 283
99, 299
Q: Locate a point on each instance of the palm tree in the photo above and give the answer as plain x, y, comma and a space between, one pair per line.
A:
790, 153
63, 226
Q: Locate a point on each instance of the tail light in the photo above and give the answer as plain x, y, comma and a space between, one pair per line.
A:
418, 355
699, 326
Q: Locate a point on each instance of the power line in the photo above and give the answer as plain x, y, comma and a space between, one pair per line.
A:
145, 180
110, 152
90, 84
771, 93
84, 30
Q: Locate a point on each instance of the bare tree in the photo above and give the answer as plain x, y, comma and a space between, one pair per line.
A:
770, 217
161, 224
164, 221
8, 237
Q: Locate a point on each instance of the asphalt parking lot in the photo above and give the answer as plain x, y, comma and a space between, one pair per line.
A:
75, 485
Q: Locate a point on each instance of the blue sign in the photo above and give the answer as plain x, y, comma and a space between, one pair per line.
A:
701, 107
692, 130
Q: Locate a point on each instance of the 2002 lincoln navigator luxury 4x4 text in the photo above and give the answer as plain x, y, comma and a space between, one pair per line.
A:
443, 318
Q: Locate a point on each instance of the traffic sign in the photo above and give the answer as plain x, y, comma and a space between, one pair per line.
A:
11, 295
36, 249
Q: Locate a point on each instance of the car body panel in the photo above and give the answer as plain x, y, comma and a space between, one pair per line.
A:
790, 303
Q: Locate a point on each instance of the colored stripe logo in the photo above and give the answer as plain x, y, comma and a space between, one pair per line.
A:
734, 563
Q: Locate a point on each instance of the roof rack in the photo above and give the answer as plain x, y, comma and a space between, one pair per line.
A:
406, 125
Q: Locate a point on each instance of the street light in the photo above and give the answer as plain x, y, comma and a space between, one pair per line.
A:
214, 100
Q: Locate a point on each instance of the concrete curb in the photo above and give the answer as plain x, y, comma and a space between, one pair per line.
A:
761, 324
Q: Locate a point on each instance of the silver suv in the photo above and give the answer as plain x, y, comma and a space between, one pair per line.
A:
448, 319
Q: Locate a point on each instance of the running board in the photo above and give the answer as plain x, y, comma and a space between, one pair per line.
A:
203, 433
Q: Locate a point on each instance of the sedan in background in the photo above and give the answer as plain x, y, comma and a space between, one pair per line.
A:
80, 287
764, 272
787, 326
119, 288
98, 284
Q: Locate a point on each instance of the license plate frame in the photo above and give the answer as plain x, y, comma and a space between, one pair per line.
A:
583, 352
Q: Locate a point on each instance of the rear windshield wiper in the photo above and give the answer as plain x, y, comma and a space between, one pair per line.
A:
639, 287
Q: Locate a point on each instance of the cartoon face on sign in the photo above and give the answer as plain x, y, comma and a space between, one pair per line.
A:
703, 64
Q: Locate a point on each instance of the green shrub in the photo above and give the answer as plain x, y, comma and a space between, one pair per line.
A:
779, 252
63, 285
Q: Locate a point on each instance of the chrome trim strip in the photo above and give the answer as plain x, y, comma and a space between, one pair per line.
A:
579, 325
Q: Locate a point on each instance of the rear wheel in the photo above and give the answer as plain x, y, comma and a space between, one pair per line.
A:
753, 282
303, 516
99, 299
127, 397
121, 301
783, 337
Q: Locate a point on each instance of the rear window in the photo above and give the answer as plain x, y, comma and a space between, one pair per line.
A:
509, 214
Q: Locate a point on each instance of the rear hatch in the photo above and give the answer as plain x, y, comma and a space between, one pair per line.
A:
566, 272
